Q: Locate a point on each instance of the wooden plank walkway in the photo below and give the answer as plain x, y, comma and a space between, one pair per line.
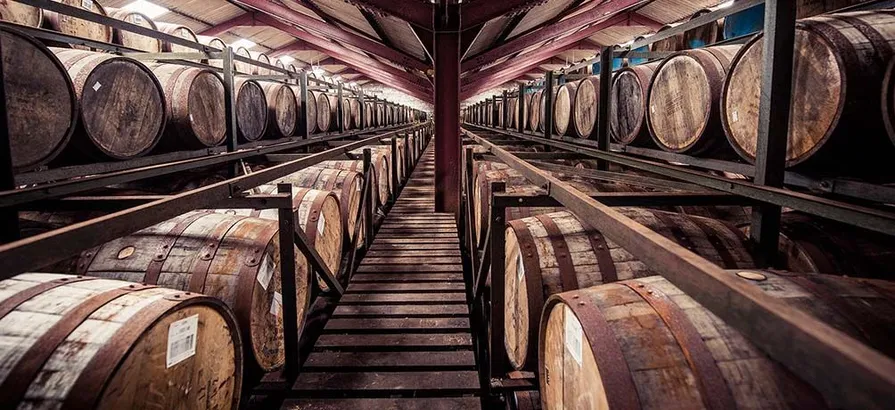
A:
400, 337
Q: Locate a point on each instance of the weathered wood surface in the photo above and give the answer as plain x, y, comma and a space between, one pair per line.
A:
282, 109
586, 106
839, 70
381, 155
131, 39
534, 111
553, 253
23, 14
673, 43
563, 105
379, 175
251, 109
327, 112
261, 58
40, 100
346, 185
627, 110
704, 35
122, 104
79, 342
644, 342
399, 330
233, 258
684, 101
66, 24
215, 43
312, 109
178, 30
240, 66
194, 100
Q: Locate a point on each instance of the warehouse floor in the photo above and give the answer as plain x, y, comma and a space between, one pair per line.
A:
400, 337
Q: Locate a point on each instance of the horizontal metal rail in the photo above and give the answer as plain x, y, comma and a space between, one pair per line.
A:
857, 215
32, 253
74, 186
811, 349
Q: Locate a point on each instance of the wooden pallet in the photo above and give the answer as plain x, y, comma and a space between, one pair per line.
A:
400, 336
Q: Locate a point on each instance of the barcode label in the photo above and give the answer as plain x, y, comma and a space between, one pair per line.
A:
321, 225
87, 4
138, 19
97, 86
735, 116
182, 340
276, 304
573, 336
265, 271
520, 267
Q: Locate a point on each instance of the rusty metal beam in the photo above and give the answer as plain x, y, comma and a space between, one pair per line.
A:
334, 33
447, 107
587, 19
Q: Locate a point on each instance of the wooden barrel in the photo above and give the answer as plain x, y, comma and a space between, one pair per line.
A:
379, 177
234, 258
23, 14
627, 118
554, 253
684, 101
887, 100
345, 184
585, 107
526, 111
77, 342
534, 111
312, 109
213, 42
240, 66
562, 108
368, 115
261, 58
251, 109
382, 161
481, 194
751, 20
77, 27
317, 214
659, 345
282, 112
195, 104
346, 113
327, 112
838, 129
671, 44
122, 104
181, 31
513, 109
813, 244
354, 111
704, 35
40, 100
131, 39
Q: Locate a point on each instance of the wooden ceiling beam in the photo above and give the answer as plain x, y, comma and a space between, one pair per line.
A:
383, 73
417, 13
334, 33
589, 18
482, 11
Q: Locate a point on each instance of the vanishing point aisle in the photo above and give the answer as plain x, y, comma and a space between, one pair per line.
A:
400, 337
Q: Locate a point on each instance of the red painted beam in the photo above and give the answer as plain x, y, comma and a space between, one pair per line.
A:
334, 33
414, 12
447, 108
292, 47
242, 20
520, 43
545, 52
379, 71
479, 12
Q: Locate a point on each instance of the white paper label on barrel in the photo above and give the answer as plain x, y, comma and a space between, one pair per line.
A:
276, 304
573, 337
182, 340
321, 225
97, 86
265, 272
735, 116
520, 267
87, 4
138, 19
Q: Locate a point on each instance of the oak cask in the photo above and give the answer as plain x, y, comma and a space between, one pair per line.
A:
251, 109
627, 108
282, 110
73, 26
130, 39
195, 106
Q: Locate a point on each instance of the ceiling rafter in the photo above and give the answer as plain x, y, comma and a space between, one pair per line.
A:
480, 12
416, 13
519, 43
381, 72
334, 33
242, 20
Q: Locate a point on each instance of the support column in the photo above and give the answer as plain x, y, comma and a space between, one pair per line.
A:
602, 125
773, 122
447, 107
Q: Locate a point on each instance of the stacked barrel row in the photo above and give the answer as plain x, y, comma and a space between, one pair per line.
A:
586, 314
70, 105
184, 311
705, 101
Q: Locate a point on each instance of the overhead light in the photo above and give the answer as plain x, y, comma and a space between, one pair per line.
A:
146, 8
248, 44
286, 59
